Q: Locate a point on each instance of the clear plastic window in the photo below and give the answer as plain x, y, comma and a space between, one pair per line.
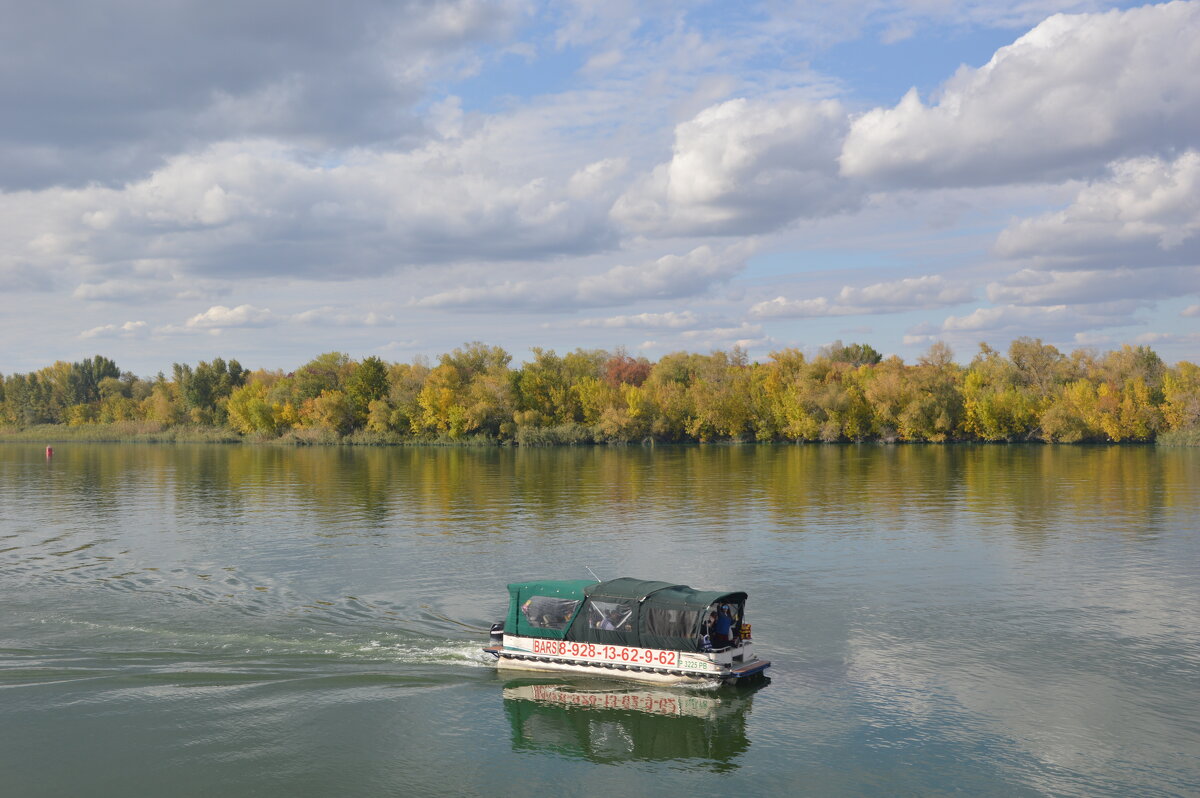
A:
547, 612
610, 615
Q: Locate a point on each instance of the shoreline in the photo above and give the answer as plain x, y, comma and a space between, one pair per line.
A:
135, 432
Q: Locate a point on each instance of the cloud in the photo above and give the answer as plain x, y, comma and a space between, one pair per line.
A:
744, 166
129, 329
1072, 94
144, 288
1092, 339
140, 81
23, 277
1172, 338
407, 345
1033, 287
1191, 312
669, 320
744, 336
1146, 214
1009, 318
221, 317
894, 20
668, 277
254, 208
911, 293
331, 317
1132, 236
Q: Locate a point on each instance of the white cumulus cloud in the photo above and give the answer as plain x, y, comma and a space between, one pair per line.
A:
1145, 214
221, 317
127, 330
1072, 94
256, 208
744, 166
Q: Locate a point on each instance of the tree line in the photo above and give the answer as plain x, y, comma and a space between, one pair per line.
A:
474, 393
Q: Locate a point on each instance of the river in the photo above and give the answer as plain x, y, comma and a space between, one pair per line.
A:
204, 620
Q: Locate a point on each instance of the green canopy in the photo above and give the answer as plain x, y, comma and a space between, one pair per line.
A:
623, 612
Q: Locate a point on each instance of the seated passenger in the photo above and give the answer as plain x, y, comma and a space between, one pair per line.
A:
706, 632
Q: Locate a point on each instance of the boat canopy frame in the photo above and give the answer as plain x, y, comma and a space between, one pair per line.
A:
622, 612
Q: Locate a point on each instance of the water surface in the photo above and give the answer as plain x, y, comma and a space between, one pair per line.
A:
227, 620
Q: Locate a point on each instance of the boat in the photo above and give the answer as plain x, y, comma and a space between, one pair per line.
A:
627, 628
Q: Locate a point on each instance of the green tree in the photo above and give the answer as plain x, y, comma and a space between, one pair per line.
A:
87, 374
854, 354
367, 382
205, 389
327, 372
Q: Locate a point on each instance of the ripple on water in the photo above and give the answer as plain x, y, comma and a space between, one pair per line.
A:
987, 620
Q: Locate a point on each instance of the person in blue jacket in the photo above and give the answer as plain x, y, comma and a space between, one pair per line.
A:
722, 628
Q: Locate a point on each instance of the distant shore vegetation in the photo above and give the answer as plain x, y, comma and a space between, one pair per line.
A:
475, 395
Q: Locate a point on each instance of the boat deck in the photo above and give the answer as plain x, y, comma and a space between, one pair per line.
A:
734, 674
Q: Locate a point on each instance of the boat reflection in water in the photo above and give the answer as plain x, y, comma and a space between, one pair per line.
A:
612, 722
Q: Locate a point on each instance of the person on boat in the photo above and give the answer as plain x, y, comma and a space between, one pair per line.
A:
721, 628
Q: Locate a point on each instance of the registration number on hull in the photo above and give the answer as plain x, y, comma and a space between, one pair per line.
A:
639, 656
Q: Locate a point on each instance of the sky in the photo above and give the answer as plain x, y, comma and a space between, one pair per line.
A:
189, 179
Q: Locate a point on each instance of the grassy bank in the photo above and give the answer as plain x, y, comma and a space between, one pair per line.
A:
119, 432
563, 435
1180, 437
151, 432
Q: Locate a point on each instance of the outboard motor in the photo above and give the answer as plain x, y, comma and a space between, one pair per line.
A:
498, 633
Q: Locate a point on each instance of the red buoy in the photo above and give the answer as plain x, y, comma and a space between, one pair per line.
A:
49, 451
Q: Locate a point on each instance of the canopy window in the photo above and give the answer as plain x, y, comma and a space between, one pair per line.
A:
544, 608
611, 616
548, 612
669, 621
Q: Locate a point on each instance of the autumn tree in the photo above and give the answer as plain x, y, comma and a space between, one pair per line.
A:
935, 411
1181, 391
469, 391
994, 406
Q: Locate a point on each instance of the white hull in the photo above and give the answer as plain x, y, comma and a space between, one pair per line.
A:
660, 666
